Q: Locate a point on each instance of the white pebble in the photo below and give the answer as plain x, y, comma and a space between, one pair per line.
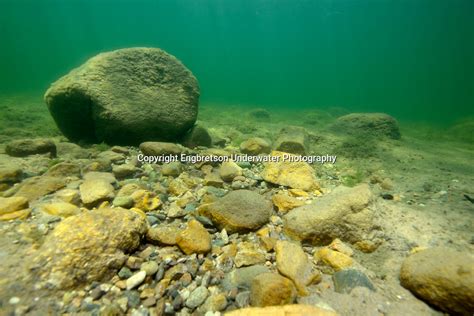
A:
135, 280
14, 300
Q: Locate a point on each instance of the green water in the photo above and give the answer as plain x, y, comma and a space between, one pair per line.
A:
413, 59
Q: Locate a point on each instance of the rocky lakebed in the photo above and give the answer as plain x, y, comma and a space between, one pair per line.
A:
387, 229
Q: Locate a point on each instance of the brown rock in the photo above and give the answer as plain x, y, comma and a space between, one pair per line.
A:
292, 139
293, 263
163, 235
238, 211
12, 204
284, 202
255, 146
95, 191
442, 277
271, 289
35, 187
194, 239
338, 261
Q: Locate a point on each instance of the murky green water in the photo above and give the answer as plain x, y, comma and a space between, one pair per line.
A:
413, 59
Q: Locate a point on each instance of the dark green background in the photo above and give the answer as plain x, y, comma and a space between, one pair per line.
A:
411, 58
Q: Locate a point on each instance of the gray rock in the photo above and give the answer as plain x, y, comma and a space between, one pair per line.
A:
242, 277
348, 279
242, 299
95, 191
260, 114
27, 147
125, 96
125, 273
197, 297
197, 136
238, 211
292, 139
64, 169
124, 171
344, 213
376, 124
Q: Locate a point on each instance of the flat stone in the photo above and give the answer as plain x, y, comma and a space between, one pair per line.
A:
338, 261
248, 254
35, 187
150, 267
27, 147
64, 169
96, 191
99, 175
271, 289
124, 171
377, 124
346, 280
442, 277
62, 209
285, 202
286, 310
238, 211
293, 174
161, 148
173, 169
163, 235
12, 204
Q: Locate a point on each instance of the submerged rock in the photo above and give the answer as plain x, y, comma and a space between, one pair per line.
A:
271, 289
285, 310
294, 174
197, 136
35, 187
161, 148
442, 277
343, 213
194, 239
125, 96
88, 247
292, 139
255, 146
26, 147
293, 263
346, 280
238, 211
242, 277
376, 124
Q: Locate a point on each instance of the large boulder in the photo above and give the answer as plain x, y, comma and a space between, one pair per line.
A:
125, 96
88, 247
345, 213
442, 277
375, 124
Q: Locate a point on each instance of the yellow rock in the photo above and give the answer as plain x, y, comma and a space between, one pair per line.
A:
367, 246
293, 263
185, 199
68, 196
12, 204
284, 202
298, 193
263, 232
285, 310
194, 239
35, 187
249, 254
22, 214
338, 245
62, 209
268, 243
166, 235
296, 175
177, 187
145, 200
269, 289
336, 260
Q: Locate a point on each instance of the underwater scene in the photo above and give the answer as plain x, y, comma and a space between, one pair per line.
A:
237, 157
